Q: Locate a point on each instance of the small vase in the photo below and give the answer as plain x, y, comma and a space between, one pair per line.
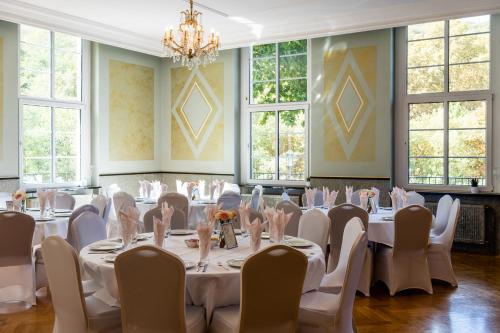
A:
474, 189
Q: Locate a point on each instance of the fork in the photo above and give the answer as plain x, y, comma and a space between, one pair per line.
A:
222, 265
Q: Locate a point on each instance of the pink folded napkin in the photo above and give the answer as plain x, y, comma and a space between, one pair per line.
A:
220, 187
348, 194
404, 198
329, 198
210, 211
42, 201
244, 214
363, 200
161, 226
376, 197
204, 236
255, 229
394, 200
279, 222
310, 196
51, 198
190, 187
269, 217
128, 224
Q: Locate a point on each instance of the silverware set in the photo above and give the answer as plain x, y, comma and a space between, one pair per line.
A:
201, 266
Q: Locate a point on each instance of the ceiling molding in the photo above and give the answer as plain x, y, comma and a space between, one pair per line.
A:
24, 13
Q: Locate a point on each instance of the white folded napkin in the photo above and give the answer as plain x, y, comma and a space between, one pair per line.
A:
376, 197
329, 198
42, 201
51, 198
211, 188
164, 188
142, 190
285, 196
348, 194
128, 224
190, 187
310, 196
178, 184
363, 199
220, 187
394, 200
280, 220
201, 188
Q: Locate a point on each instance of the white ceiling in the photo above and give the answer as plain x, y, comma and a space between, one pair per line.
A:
139, 25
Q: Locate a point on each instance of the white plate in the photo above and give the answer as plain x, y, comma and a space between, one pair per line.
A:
110, 259
141, 237
189, 264
105, 246
139, 199
237, 231
150, 202
63, 214
264, 235
388, 218
236, 262
181, 232
44, 219
63, 211
32, 209
301, 243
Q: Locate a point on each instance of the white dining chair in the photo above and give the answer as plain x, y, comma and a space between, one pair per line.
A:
256, 199
332, 312
17, 284
415, 198
292, 228
177, 221
177, 200
64, 201
121, 201
442, 215
76, 213
144, 273
103, 204
439, 253
271, 286
73, 312
405, 265
314, 226
87, 228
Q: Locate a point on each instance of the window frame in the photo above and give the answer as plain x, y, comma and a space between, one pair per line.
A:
52, 102
248, 108
404, 100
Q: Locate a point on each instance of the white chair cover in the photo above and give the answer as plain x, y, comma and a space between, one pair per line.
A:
229, 200
332, 312
87, 228
415, 198
143, 274
73, 312
313, 226
255, 201
442, 215
16, 269
355, 199
77, 212
103, 204
405, 266
64, 201
318, 199
292, 228
121, 201
440, 266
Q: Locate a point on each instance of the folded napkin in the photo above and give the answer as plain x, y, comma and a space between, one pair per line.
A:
164, 188
329, 198
201, 188
210, 211
220, 187
348, 194
128, 224
204, 235
142, 190
178, 184
268, 215
51, 198
310, 196
280, 220
404, 198
244, 214
394, 200
190, 187
149, 189
42, 201
160, 226
156, 189
255, 229
376, 197
363, 199
211, 188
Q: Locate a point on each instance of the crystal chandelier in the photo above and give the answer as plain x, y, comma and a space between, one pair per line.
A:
189, 46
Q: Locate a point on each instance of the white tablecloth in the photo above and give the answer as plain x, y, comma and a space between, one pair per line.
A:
216, 287
44, 229
195, 215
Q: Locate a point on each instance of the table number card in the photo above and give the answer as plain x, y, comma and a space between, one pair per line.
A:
228, 235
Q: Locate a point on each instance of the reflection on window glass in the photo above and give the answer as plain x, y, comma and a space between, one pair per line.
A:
426, 30
263, 145
291, 145
470, 25
34, 62
67, 144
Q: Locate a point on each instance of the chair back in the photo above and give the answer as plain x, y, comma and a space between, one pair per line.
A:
87, 228
442, 214
318, 199
103, 204
339, 216
292, 228
65, 201
256, 197
178, 220
262, 278
63, 274
355, 198
229, 200
122, 200
142, 274
313, 226
447, 236
415, 198
352, 255
16, 237
177, 200
411, 228
77, 212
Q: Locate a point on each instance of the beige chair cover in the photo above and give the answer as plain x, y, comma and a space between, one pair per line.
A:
121, 201
77, 212
415, 198
152, 287
442, 215
16, 270
439, 255
313, 226
332, 312
269, 302
87, 228
178, 220
405, 265
339, 216
65, 201
103, 204
292, 228
73, 312
177, 200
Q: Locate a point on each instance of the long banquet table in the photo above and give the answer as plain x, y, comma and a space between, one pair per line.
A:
218, 286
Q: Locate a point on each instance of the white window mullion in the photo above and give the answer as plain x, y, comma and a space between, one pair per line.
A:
53, 148
277, 147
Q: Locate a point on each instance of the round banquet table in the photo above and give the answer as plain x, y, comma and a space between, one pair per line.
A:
218, 286
58, 226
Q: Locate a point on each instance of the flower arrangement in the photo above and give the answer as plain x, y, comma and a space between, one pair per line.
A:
18, 199
224, 215
368, 192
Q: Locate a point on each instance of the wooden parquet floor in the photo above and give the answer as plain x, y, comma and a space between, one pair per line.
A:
473, 307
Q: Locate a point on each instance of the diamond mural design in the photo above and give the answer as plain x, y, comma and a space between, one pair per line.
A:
196, 110
349, 103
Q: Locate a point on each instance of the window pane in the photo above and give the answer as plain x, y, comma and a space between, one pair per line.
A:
264, 69
468, 114
293, 47
263, 133
68, 75
426, 143
470, 25
426, 52
293, 90
264, 92
266, 50
37, 144
291, 145
426, 30
469, 77
425, 80
67, 170
67, 43
293, 66
67, 144
461, 170
426, 116
426, 171
471, 143
34, 63
469, 48
36, 36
